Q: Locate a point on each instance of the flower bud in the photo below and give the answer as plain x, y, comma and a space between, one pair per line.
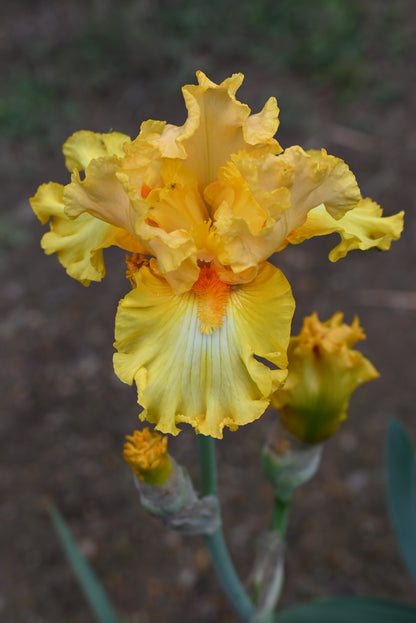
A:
165, 488
147, 455
323, 371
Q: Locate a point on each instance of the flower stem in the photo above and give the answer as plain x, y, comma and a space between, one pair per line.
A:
279, 517
215, 542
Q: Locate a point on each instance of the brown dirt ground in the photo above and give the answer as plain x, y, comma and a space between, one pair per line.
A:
64, 413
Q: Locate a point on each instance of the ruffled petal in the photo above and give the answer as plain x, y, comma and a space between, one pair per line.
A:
314, 178
84, 146
217, 126
139, 170
209, 380
101, 194
176, 254
78, 242
363, 228
246, 233
258, 200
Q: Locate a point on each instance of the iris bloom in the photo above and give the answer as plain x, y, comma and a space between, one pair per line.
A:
205, 329
324, 370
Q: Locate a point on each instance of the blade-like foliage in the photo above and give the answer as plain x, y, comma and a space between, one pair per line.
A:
93, 590
349, 610
401, 464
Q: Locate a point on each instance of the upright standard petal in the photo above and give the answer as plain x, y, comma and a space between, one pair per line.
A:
195, 356
77, 242
217, 126
363, 228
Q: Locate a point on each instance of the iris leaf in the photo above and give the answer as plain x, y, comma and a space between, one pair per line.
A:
93, 590
349, 610
401, 470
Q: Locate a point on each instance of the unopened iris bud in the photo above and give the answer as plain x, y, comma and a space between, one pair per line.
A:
323, 371
166, 489
147, 455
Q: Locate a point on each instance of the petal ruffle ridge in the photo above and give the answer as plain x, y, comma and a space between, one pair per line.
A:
217, 126
84, 146
209, 381
101, 194
258, 200
78, 242
362, 228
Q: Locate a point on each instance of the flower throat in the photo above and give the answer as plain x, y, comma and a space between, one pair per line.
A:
212, 295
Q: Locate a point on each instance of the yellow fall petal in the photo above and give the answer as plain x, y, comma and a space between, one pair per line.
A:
84, 146
363, 227
78, 242
185, 373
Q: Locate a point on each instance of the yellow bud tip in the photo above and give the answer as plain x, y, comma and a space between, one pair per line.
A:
146, 453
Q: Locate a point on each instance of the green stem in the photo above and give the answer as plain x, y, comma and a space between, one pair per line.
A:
279, 517
208, 465
215, 542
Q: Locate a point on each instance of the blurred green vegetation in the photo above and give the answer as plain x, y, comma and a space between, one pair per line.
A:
336, 45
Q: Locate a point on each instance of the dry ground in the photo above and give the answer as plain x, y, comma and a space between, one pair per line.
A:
64, 414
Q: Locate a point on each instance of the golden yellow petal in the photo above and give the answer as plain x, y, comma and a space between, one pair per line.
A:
363, 228
259, 200
262, 126
217, 126
178, 204
207, 380
84, 146
231, 191
176, 254
78, 242
140, 167
101, 194
315, 178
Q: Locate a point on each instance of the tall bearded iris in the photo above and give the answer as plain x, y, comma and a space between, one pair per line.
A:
205, 329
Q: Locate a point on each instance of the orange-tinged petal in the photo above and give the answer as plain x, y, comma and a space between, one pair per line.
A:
77, 242
178, 204
217, 126
207, 380
101, 194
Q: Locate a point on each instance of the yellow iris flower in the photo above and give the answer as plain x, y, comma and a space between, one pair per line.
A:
202, 207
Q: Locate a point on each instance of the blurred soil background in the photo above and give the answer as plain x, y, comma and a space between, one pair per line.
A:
344, 76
